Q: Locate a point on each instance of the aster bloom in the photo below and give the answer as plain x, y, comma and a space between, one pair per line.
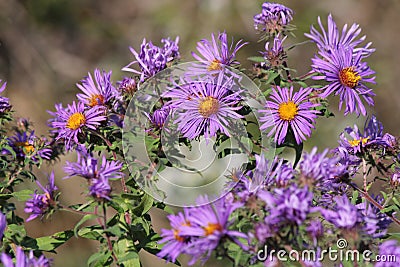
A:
349, 38
127, 85
160, 116
88, 167
207, 226
315, 229
3, 224
322, 171
211, 107
376, 223
287, 111
373, 130
4, 101
27, 144
153, 59
72, 120
389, 252
275, 54
395, 179
346, 75
100, 188
344, 214
215, 56
21, 260
273, 18
40, 204
175, 243
97, 92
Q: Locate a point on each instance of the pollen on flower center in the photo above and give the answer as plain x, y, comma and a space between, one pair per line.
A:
96, 100
177, 237
349, 77
28, 147
356, 142
208, 106
287, 111
214, 65
211, 228
76, 120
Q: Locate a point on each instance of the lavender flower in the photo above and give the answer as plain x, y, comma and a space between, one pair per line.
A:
40, 204
289, 111
3, 224
97, 92
100, 188
208, 225
175, 243
343, 215
210, 107
215, 56
275, 55
72, 120
346, 75
87, 166
4, 101
160, 116
333, 39
389, 250
26, 144
153, 59
395, 179
21, 260
376, 223
127, 85
273, 18
315, 229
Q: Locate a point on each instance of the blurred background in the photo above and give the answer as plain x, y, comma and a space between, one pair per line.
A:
47, 46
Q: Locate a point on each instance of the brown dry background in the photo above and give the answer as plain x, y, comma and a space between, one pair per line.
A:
46, 46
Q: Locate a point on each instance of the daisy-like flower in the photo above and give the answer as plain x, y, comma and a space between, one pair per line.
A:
153, 59
160, 116
291, 111
21, 260
72, 120
346, 75
273, 18
97, 92
100, 188
175, 243
208, 106
207, 226
88, 167
40, 204
27, 144
333, 39
215, 56
4, 101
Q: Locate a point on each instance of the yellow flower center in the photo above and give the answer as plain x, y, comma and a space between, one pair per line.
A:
76, 120
208, 106
356, 142
177, 237
211, 228
28, 147
96, 100
214, 65
288, 110
349, 77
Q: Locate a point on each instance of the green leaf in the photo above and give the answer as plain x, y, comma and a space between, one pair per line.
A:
84, 219
144, 206
90, 233
100, 259
256, 59
49, 243
23, 195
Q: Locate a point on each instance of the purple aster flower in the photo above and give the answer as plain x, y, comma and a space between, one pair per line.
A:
72, 120
160, 116
3, 224
275, 55
21, 260
319, 170
215, 56
395, 179
289, 205
127, 85
273, 18
153, 59
40, 204
27, 144
315, 229
389, 254
4, 101
343, 215
211, 106
353, 140
289, 111
208, 225
346, 75
100, 188
373, 130
333, 39
175, 243
88, 167
375, 222
97, 92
